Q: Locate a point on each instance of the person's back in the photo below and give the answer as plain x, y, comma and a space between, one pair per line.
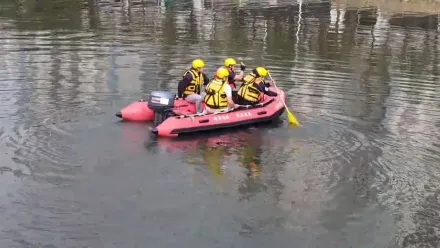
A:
219, 93
254, 87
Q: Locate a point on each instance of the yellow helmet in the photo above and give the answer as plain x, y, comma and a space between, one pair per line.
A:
198, 63
230, 61
262, 71
222, 72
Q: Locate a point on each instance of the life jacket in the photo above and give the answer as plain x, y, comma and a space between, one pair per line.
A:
249, 90
195, 85
215, 94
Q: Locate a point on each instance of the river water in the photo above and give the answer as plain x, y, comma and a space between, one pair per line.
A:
362, 171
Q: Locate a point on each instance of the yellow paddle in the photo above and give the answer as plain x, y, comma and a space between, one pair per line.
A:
291, 117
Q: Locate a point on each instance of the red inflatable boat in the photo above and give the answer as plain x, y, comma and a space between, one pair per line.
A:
140, 110
170, 121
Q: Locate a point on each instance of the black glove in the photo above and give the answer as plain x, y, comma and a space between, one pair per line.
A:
242, 67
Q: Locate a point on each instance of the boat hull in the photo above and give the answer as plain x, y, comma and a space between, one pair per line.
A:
272, 107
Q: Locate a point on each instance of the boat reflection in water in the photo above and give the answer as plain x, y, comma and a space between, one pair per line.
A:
228, 155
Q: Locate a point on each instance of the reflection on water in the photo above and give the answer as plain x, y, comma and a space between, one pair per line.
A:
361, 172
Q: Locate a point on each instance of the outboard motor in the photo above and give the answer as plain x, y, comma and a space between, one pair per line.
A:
162, 103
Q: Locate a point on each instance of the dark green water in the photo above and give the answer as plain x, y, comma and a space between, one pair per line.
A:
363, 171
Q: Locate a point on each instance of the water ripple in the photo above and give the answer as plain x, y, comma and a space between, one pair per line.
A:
361, 170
